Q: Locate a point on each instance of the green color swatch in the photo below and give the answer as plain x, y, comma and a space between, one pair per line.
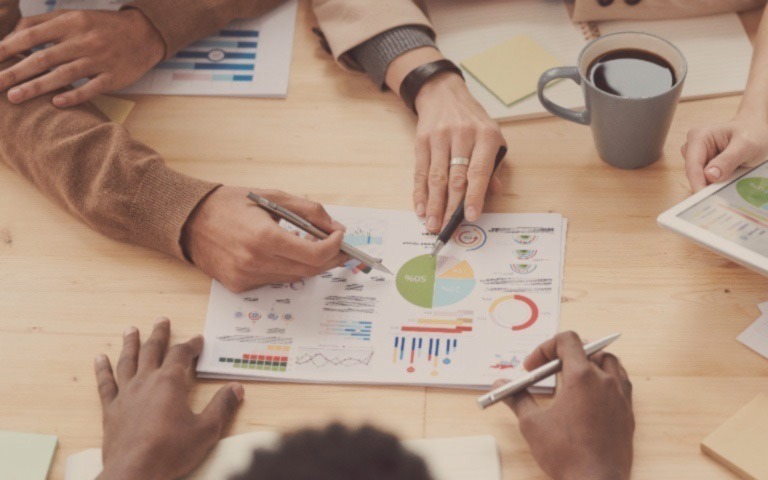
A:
754, 190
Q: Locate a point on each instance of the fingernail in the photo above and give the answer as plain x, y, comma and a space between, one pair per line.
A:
432, 223
100, 358
161, 321
714, 172
15, 95
239, 391
130, 331
60, 101
420, 209
471, 214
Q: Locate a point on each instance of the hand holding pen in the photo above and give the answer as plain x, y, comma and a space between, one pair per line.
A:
243, 247
587, 430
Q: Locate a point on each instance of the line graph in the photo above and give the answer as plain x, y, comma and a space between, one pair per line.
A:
334, 358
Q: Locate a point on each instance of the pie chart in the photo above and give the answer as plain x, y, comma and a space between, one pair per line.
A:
427, 281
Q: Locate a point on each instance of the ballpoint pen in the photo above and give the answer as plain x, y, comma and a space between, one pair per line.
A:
458, 214
305, 225
537, 375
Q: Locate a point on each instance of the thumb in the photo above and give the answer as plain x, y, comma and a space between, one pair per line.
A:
724, 164
223, 405
523, 403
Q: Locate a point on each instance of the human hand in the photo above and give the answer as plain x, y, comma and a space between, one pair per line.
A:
712, 153
239, 244
111, 49
149, 430
587, 430
452, 124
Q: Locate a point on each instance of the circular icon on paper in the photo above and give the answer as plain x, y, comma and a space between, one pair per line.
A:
216, 55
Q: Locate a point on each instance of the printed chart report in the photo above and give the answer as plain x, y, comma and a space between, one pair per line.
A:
247, 58
461, 319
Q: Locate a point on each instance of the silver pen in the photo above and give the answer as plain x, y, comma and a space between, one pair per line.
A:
537, 375
305, 225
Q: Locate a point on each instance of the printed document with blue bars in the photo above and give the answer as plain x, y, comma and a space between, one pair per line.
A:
247, 58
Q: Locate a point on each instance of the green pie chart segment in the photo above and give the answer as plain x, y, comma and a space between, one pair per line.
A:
754, 190
427, 281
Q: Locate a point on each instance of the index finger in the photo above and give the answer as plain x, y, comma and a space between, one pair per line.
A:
25, 40
479, 174
27, 22
695, 156
566, 346
302, 250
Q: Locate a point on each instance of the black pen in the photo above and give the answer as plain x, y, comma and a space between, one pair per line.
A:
458, 215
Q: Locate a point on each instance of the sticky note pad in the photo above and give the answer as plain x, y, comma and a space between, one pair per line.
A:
740, 443
511, 69
26, 455
115, 109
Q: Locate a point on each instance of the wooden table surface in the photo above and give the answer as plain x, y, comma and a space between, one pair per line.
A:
67, 293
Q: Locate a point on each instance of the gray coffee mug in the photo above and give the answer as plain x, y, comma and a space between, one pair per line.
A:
628, 132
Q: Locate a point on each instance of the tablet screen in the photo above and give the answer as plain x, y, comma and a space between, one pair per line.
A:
737, 212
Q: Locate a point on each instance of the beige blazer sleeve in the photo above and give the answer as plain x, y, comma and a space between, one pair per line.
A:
591, 10
181, 22
348, 23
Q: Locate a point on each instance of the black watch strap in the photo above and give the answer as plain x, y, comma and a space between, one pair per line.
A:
412, 83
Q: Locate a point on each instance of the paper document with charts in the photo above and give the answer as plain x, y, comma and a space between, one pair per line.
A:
461, 319
247, 58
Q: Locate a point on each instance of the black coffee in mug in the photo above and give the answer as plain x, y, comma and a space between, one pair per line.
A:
631, 73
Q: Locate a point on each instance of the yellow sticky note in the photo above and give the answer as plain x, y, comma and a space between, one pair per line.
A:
116, 109
511, 69
26, 455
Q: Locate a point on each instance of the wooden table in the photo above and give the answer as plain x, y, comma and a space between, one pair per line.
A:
67, 293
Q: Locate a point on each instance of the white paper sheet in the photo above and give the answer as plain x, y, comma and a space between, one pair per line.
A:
493, 295
248, 58
756, 335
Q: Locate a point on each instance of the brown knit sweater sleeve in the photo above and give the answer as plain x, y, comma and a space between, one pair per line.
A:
96, 171
181, 22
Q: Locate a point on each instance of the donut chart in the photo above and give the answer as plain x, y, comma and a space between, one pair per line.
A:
515, 312
427, 281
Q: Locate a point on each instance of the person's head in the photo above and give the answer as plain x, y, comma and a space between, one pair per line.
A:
337, 453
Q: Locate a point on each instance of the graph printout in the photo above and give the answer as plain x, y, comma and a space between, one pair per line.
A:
738, 212
246, 58
464, 318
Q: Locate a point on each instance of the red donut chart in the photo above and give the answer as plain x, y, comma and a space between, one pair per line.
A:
534, 314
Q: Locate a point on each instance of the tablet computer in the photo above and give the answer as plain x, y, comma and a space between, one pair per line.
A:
730, 218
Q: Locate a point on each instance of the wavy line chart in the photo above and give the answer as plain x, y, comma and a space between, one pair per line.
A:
333, 358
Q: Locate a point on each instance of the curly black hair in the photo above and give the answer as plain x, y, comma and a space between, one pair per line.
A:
337, 453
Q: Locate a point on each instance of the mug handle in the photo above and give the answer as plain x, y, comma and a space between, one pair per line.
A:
556, 73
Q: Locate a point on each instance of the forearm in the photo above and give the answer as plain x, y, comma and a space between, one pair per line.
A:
754, 103
97, 172
377, 54
183, 22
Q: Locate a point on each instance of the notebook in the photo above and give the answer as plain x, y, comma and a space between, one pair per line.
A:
740, 443
457, 458
26, 456
717, 47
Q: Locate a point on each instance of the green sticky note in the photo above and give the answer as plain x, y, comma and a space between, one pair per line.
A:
511, 69
26, 455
